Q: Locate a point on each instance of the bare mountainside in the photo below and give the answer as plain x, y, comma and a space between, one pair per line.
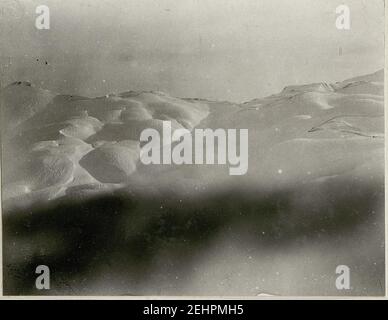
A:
71, 170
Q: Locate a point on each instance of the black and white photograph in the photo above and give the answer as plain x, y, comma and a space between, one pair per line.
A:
204, 148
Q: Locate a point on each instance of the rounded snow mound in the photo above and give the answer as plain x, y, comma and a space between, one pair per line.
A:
112, 162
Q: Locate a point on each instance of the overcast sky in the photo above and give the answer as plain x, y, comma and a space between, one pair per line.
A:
219, 49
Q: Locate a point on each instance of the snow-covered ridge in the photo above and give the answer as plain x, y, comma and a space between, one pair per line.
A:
55, 145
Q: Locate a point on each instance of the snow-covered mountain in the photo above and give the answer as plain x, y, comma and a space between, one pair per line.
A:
58, 144
315, 185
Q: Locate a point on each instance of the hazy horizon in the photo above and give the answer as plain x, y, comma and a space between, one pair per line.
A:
220, 50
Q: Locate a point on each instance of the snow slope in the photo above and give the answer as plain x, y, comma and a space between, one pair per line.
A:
53, 142
316, 170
